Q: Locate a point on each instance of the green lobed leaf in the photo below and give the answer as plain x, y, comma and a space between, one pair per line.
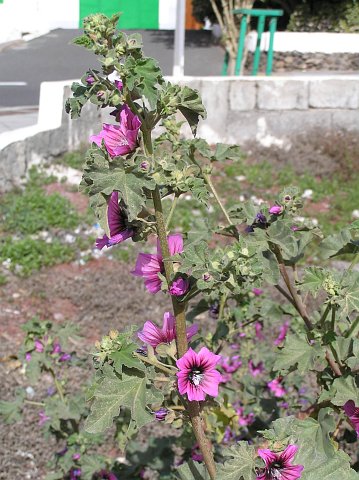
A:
344, 389
124, 356
297, 354
192, 471
242, 464
144, 75
350, 300
113, 394
101, 178
227, 152
339, 244
11, 411
313, 279
191, 107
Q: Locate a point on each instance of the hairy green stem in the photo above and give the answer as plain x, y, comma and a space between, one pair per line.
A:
324, 316
193, 408
208, 180
352, 328
173, 207
37, 404
299, 305
59, 388
158, 365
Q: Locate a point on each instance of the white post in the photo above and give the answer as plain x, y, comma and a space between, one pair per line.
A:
178, 61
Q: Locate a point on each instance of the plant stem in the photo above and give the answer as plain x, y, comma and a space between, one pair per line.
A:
37, 404
352, 328
324, 316
299, 305
193, 408
59, 388
285, 294
173, 207
332, 364
156, 365
208, 180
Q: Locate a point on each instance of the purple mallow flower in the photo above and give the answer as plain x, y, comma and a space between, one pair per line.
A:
353, 413
38, 346
258, 326
90, 80
43, 418
75, 473
56, 348
149, 266
261, 218
65, 357
257, 291
179, 287
196, 453
282, 333
244, 420
254, 369
278, 466
197, 375
160, 414
229, 365
76, 456
28, 356
276, 387
117, 220
276, 210
119, 139
154, 335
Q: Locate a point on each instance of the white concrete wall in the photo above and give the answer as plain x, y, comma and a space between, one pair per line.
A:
167, 14
306, 42
36, 17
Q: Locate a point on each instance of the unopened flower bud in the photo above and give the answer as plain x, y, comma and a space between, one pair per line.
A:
161, 414
275, 210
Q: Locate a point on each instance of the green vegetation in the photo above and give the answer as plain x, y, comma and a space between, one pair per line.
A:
28, 254
73, 159
24, 214
33, 210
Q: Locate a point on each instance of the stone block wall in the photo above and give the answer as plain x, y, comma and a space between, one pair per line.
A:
267, 110
273, 110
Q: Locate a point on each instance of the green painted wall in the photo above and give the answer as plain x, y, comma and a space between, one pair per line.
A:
141, 14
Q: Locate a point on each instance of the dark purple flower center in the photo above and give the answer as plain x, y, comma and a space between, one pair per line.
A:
274, 470
195, 376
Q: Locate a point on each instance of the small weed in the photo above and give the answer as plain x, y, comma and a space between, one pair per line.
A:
3, 279
27, 255
33, 210
37, 178
74, 159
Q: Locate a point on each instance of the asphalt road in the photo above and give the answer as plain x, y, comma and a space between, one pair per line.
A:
52, 57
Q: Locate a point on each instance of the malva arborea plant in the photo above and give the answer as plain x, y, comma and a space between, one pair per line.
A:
266, 387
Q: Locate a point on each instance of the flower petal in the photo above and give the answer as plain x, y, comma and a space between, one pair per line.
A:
267, 455
289, 453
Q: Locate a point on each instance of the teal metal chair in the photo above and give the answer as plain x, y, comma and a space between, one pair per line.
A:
261, 14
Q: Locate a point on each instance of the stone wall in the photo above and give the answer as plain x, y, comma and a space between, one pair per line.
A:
272, 111
55, 134
307, 62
